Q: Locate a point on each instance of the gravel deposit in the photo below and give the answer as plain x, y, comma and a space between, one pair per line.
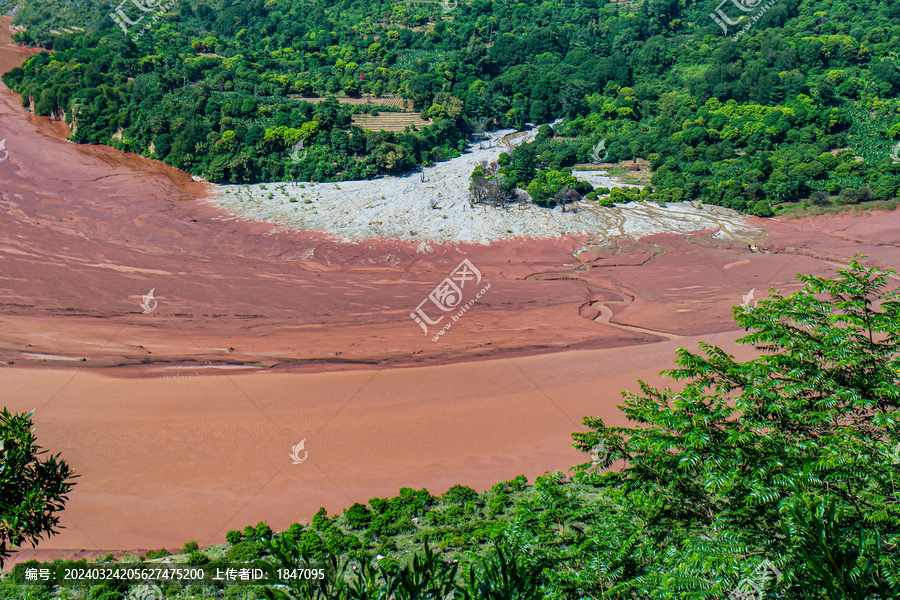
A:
438, 209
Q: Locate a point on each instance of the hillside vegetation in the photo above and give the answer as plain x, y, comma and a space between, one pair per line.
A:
799, 102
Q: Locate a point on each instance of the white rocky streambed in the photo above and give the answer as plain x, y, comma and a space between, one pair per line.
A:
437, 209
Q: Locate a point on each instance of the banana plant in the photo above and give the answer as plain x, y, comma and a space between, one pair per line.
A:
844, 559
426, 577
502, 575
289, 555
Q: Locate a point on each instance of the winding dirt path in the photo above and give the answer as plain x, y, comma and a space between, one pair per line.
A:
606, 314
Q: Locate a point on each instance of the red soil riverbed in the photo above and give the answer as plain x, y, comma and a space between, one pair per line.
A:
299, 336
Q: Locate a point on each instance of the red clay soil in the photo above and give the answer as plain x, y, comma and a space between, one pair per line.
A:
300, 336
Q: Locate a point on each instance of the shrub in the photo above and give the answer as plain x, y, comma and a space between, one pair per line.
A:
189, 547
244, 551
762, 209
518, 483
320, 520
547, 184
819, 197
379, 505
452, 540
458, 493
391, 524
452, 515
294, 531
358, 516
848, 196
263, 530
337, 543
582, 187
233, 536
498, 503
624, 195
663, 196
411, 502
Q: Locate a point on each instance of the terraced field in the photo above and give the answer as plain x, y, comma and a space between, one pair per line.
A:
365, 100
390, 121
623, 6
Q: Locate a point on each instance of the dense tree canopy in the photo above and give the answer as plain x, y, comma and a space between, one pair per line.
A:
803, 104
790, 456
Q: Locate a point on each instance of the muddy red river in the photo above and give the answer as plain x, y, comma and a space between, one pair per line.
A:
180, 412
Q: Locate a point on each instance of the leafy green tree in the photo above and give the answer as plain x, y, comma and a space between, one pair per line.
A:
547, 184
712, 470
358, 516
33, 488
390, 157
233, 536
459, 494
245, 551
762, 209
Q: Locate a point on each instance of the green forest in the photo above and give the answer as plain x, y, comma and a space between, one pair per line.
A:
801, 104
772, 478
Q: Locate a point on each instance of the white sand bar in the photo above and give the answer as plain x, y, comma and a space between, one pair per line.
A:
438, 209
